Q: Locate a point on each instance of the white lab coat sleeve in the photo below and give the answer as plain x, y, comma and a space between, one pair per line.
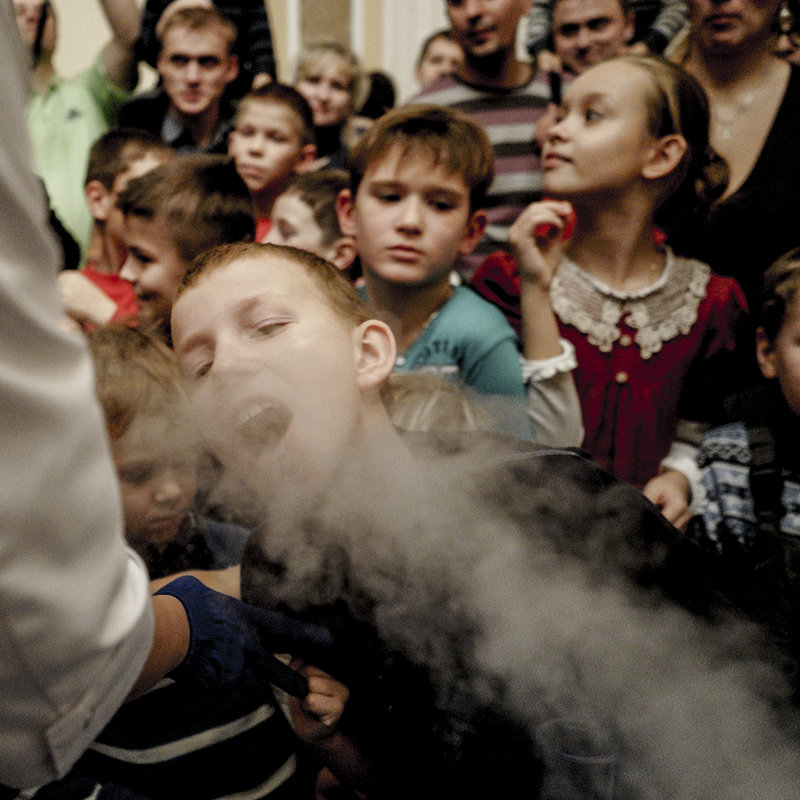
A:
75, 613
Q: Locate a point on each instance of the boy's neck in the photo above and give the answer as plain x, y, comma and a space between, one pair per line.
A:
406, 309
104, 254
264, 200
201, 127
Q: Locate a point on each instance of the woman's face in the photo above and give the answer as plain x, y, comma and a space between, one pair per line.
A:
327, 84
728, 26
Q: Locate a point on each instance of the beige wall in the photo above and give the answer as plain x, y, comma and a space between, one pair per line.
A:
83, 31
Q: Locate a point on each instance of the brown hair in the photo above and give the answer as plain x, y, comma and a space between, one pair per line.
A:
451, 138
319, 190
116, 150
678, 104
287, 96
336, 289
135, 374
198, 19
202, 199
779, 290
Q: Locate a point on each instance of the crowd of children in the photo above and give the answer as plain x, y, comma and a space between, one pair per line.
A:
587, 325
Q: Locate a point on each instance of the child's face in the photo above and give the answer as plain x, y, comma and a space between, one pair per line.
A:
153, 266
411, 219
442, 57
781, 359
158, 486
601, 142
266, 146
293, 225
115, 221
327, 85
271, 370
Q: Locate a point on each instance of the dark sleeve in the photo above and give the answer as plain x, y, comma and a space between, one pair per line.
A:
726, 363
146, 47
255, 46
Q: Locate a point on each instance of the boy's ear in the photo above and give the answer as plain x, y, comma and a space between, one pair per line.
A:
342, 253
475, 228
765, 354
630, 25
306, 159
666, 154
375, 354
233, 68
345, 212
98, 198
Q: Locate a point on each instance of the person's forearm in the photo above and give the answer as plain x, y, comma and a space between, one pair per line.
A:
118, 58
124, 17
170, 643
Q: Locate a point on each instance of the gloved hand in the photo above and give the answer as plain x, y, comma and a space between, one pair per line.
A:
232, 641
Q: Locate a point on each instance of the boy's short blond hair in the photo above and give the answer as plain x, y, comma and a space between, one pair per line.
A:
202, 199
335, 288
446, 135
280, 94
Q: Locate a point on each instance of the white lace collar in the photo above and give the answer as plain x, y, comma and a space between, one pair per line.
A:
659, 312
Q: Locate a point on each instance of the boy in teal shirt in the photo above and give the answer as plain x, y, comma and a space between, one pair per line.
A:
419, 179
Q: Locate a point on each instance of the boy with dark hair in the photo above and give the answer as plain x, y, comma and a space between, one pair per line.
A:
174, 213
272, 140
305, 216
96, 295
419, 179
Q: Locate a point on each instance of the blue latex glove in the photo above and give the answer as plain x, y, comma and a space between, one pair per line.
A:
231, 641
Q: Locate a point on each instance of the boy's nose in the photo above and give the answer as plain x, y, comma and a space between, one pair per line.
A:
169, 489
129, 271
410, 213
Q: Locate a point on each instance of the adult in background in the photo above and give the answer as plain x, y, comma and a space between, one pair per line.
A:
503, 94
755, 125
67, 115
196, 63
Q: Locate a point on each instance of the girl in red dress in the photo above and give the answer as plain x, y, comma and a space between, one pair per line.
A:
655, 333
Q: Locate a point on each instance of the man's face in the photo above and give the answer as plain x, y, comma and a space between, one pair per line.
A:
195, 67
271, 371
588, 31
28, 13
486, 27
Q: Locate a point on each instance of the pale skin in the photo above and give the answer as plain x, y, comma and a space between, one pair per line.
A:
612, 239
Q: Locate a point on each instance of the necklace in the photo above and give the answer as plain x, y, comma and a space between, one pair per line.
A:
725, 122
